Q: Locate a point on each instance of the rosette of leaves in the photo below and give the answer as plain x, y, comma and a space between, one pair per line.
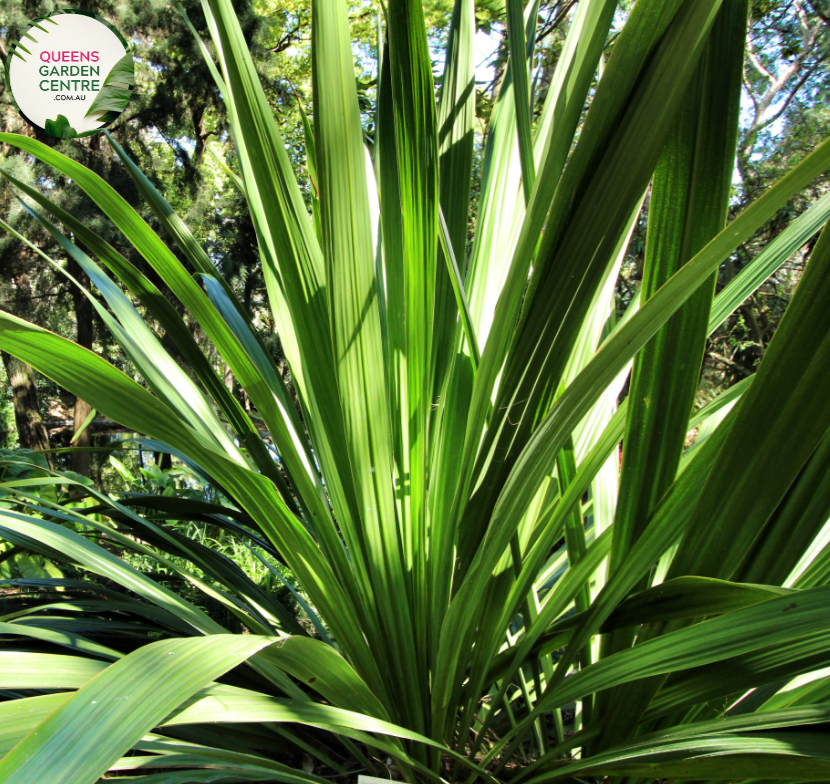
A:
492, 592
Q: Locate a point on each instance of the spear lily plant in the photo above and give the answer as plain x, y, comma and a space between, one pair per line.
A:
494, 594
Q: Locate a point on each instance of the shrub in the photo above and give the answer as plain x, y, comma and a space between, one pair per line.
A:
445, 493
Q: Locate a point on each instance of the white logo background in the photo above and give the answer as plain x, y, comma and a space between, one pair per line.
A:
73, 32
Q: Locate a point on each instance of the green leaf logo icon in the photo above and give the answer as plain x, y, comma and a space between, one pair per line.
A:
60, 128
117, 89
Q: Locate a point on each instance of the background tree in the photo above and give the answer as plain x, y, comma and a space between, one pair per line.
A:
786, 80
176, 129
174, 112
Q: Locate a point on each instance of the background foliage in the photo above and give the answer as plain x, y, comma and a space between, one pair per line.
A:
175, 127
467, 603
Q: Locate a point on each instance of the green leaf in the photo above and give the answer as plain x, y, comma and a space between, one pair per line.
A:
164, 376
413, 105
117, 88
60, 128
715, 686
693, 177
67, 639
100, 561
19, 717
453, 374
169, 748
796, 522
119, 706
632, 112
768, 261
325, 671
739, 747
795, 364
518, 44
458, 289
169, 319
294, 271
119, 397
760, 625
27, 670
356, 338
551, 434
456, 115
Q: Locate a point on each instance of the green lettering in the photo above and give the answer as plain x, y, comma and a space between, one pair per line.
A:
45, 81
55, 87
85, 85
44, 70
96, 84
64, 70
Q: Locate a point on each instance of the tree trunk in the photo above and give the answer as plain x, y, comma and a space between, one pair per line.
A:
83, 317
80, 460
31, 432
